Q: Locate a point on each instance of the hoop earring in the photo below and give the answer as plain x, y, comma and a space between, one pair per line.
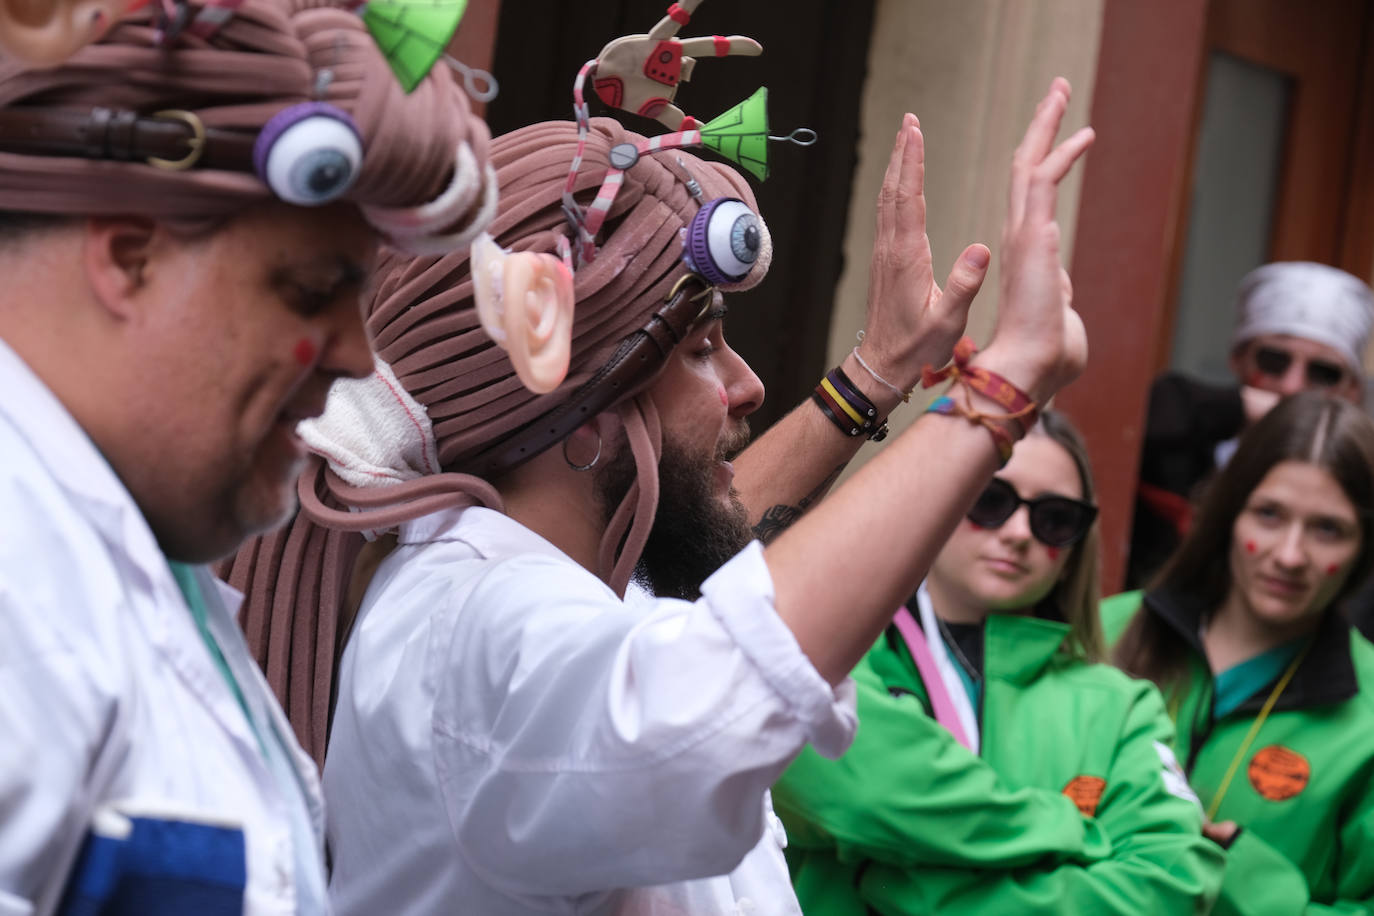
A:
590, 464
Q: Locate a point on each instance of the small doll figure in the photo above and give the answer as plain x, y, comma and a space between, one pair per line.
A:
641, 73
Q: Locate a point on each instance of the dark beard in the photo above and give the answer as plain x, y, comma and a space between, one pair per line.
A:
693, 535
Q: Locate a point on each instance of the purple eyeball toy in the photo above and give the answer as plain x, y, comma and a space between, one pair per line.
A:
309, 154
723, 241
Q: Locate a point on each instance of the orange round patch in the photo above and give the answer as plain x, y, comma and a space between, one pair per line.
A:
1086, 792
1278, 772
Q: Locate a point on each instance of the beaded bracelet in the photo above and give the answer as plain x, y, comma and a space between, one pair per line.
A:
846, 406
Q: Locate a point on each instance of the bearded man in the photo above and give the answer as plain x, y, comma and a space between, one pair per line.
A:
520, 727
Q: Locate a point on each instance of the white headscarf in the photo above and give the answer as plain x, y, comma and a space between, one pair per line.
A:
1304, 299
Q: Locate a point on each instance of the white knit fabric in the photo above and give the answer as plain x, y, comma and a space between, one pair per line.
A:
372, 432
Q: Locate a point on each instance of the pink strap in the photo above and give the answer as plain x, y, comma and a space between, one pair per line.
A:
940, 702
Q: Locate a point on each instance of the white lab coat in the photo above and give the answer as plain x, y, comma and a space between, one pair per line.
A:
107, 691
511, 738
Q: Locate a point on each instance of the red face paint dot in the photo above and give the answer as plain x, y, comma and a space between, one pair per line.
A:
305, 352
975, 526
1333, 569
1250, 547
1053, 552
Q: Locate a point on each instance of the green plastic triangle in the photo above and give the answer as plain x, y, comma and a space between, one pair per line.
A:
741, 134
413, 33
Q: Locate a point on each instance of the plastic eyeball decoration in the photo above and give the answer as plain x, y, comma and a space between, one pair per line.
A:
724, 241
309, 154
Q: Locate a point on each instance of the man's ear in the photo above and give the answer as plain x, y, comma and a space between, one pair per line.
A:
116, 253
47, 32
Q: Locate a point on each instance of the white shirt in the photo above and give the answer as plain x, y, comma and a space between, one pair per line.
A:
108, 695
511, 738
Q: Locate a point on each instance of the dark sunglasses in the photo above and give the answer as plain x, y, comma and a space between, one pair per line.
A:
1056, 521
1275, 362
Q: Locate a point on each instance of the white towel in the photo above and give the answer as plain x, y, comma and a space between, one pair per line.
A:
372, 432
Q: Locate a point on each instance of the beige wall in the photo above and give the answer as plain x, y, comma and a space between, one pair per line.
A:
972, 71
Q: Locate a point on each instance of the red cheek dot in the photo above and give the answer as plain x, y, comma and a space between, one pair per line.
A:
305, 352
1333, 569
975, 526
1250, 547
1053, 552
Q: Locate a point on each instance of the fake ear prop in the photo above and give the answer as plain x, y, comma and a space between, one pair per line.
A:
413, 33
47, 32
524, 301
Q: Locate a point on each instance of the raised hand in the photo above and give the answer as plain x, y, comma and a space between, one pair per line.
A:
1039, 343
910, 321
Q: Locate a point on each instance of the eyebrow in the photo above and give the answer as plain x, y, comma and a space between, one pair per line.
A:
717, 313
331, 274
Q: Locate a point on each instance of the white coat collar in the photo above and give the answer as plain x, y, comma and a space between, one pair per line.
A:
490, 533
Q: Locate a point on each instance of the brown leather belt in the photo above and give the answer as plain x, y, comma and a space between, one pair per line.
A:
637, 358
168, 139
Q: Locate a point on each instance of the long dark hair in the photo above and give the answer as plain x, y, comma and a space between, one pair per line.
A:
1076, 594
1332, 434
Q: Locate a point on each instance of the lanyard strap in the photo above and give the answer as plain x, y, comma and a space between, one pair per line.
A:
940, 701
1254, 731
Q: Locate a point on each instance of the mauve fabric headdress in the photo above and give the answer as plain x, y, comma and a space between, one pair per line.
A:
291, 99
425, 328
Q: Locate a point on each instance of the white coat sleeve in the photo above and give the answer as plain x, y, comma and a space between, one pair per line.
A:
582, 744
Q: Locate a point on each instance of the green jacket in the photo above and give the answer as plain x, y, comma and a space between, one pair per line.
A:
909, 821
1304, 794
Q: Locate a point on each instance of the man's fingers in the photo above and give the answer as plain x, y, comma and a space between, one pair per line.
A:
1044, 125
1035, 145
1043, 195
910, 204
965, 279
887, 195
1058, 163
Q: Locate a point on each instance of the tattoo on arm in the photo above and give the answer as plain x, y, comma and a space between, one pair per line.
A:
781, 516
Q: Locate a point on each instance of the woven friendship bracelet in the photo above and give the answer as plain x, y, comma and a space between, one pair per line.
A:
1005, 428
1020, 408
1003, 440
